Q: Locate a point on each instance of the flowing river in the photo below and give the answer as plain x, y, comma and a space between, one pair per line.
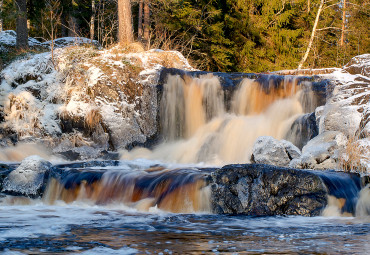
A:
151, 206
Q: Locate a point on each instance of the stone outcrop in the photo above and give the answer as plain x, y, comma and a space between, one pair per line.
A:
268, 150
29, 178
83, 97
345, 119
267, 190
322, 152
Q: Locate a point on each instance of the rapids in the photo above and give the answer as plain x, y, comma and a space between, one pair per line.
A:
140, 207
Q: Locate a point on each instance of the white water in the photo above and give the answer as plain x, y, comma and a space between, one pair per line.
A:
197, 127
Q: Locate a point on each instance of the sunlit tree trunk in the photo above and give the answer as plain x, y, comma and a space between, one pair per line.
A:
125, 35
1, 13
92, 21
22, 31
304, 58
343, 23
140, 21
146, 21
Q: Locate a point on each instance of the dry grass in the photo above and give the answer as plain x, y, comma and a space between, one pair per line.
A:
135, 47
93, 118
354, 156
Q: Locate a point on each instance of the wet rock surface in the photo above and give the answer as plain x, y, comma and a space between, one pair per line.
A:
267, 190
302, 130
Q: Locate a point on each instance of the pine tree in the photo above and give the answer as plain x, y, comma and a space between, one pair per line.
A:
125, 35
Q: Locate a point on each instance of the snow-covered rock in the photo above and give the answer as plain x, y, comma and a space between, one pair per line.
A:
348, 109
268, 150
30, 94
322, 152
105, 99
359, 65
29, 179
70, 41
8, 38
335, 117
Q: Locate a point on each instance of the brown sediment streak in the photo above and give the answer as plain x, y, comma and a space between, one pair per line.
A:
181, 191
253, 98
194, 112
186, 199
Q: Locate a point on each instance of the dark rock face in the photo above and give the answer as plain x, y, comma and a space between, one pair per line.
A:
266, 190
302, 130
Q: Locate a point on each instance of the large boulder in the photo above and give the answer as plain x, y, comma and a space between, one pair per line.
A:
267, 190
322, 152
29, 178
268, 150
335, 117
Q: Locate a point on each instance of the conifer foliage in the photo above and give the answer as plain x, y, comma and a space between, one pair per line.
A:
216, 35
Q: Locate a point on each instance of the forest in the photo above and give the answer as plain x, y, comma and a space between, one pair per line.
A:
224, 35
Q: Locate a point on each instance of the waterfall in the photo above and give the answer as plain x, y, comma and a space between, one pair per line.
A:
187, 104
196, 125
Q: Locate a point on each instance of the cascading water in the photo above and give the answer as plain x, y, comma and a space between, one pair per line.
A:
196, 125
177, 190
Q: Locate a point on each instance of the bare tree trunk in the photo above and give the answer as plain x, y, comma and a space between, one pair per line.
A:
1, 13
146, 21
312, 35
308, 6
92, 21
140, 21
22, 31
125, 35
343, 23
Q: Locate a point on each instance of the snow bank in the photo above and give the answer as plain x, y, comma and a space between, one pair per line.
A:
348, 108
